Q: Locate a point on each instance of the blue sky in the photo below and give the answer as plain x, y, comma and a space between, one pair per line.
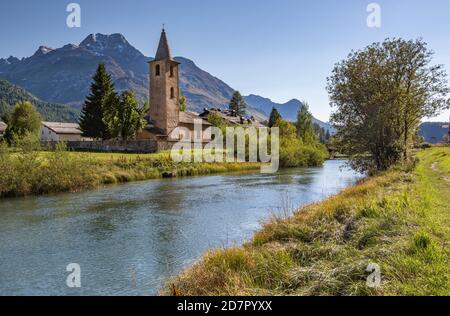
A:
280, 49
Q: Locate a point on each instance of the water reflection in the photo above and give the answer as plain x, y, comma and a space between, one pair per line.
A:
128, 239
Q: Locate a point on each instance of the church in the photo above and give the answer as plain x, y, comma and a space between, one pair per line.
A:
165, 115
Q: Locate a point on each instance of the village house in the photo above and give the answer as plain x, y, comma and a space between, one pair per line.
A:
3, 127
231, 118
56, 131
165, 115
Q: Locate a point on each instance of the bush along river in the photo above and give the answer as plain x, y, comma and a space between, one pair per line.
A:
129, 239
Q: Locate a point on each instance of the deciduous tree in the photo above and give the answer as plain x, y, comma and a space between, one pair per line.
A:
123, 116
24, 120
381, 93
304, 124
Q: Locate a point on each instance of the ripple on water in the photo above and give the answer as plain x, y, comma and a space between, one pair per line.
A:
129, 238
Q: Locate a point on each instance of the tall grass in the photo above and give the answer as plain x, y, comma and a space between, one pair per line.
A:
25, 170
399, 220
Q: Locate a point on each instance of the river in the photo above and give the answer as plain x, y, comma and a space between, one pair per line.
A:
128, 239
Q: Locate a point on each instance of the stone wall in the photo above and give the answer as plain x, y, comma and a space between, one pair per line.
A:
130, 146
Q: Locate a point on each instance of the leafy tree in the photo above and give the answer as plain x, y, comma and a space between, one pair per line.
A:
217, 121
123, 116
327, 135
5, 113
322, 134
4, 110
304, 124
238, 104
183, 103
24, 120
91, 120
274, 117
381, 94
296, 153
446, 138
110, 114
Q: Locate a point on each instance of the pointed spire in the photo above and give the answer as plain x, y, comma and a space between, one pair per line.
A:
163, 47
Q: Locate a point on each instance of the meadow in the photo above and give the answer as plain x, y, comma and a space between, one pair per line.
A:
27, 170
396, 223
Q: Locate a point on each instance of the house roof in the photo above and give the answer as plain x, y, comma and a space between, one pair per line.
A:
232, 118
63, 128
189, 117
163, 51
3, 127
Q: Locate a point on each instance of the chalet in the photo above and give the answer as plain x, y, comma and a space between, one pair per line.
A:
56, 131
3, 127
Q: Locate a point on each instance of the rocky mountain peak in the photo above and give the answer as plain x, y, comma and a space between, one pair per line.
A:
102, 44
42, 50
64, 76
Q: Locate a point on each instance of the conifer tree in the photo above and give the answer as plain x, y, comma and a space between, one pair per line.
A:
238, 104
91, 121
274, 117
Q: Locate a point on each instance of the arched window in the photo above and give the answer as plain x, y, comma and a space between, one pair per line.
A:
157, 70
171, 70
172, 93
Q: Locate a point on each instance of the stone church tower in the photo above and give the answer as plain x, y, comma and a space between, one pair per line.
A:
164, 87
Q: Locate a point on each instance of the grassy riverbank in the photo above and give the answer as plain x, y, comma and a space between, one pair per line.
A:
30, 172
399, 220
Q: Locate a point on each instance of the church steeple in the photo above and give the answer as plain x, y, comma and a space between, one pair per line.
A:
164, 88
163, 51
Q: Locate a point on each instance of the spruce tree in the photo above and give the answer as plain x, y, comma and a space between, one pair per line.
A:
91, 121
237, 104
274, 117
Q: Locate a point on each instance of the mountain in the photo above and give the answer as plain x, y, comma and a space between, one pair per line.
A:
63, 75
434, 132
287, 110
11, 94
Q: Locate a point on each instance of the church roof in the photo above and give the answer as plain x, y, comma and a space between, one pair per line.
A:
163, 48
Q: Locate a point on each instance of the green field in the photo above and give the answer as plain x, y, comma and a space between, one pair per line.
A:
398, 220
104, 156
